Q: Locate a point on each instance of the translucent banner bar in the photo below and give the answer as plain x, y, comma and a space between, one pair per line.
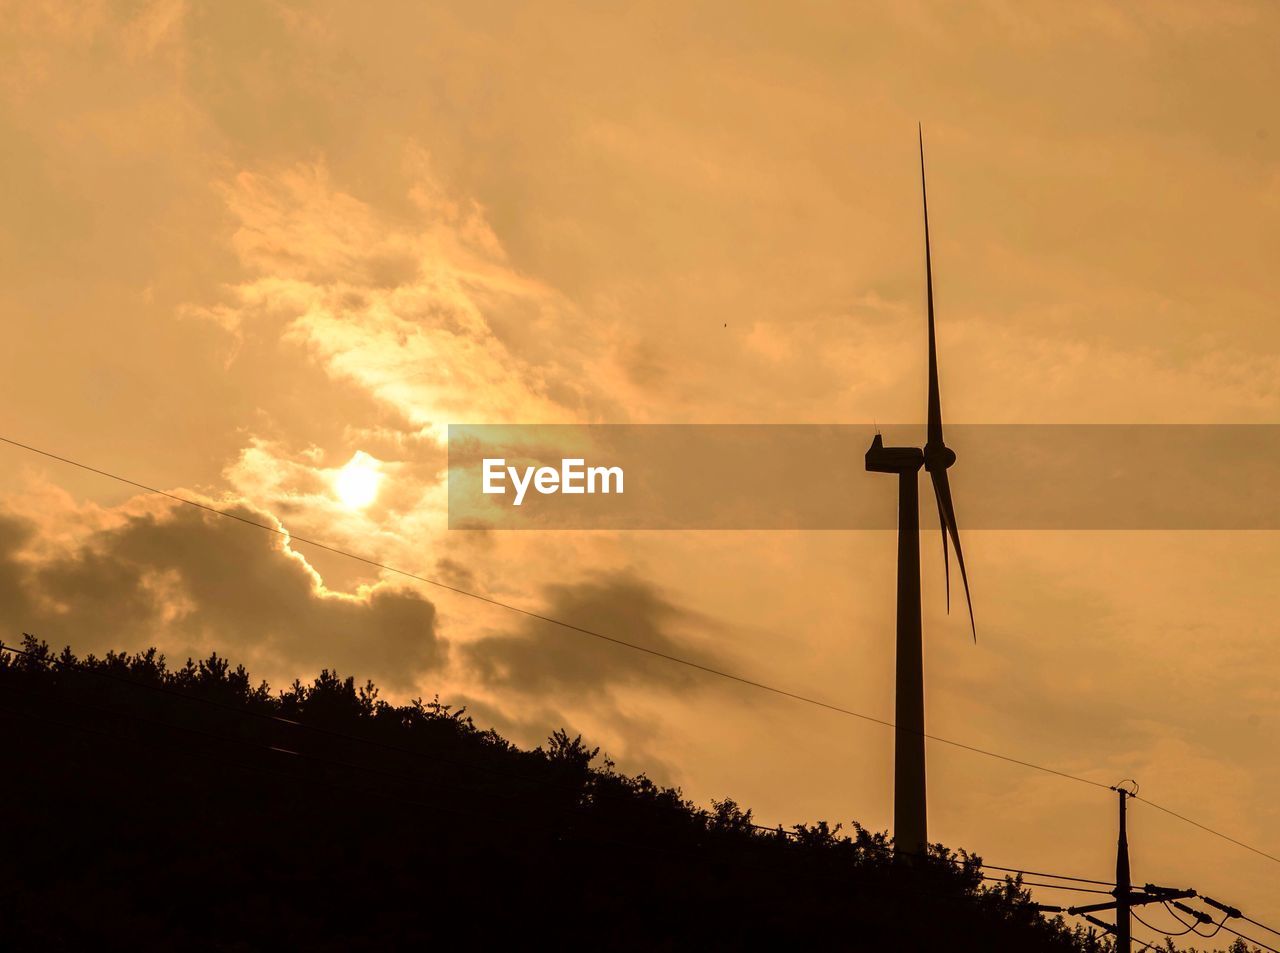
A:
813, 477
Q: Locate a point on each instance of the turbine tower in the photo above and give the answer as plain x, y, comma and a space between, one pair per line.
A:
910, 825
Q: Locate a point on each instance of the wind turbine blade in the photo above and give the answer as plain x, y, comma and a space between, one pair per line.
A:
946, 556
935, 403
942, 490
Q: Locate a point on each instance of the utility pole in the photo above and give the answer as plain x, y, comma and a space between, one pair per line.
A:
1126, 898
1123, 891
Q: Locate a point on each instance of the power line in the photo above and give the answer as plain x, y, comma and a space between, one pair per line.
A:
1190, 927
1257, 924
1040, 873
959, 861
795, 696
1234, 913
1108, 928
1183, 817
1032, 883
1201, 919
582, 630
1249, 939
1217, 928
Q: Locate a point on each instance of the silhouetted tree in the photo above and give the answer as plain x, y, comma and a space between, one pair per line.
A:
152, 808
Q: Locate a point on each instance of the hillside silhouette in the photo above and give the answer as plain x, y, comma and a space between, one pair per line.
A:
149, 808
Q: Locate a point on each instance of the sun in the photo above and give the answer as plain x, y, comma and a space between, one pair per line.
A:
357, 483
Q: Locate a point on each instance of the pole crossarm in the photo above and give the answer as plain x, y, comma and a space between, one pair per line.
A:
1169, 893
1150, 894
1137, 898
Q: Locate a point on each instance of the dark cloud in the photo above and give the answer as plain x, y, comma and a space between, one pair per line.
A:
190, 583
14, 535
542, 657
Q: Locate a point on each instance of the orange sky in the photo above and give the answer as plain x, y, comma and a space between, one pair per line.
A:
240, 243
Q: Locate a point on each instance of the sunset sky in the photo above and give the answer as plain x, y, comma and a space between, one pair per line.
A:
243, 244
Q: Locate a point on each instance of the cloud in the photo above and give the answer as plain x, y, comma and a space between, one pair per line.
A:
545, 659
14, 534
538, 677
189, 583
422, 310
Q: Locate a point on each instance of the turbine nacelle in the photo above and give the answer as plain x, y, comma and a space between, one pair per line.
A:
882, 459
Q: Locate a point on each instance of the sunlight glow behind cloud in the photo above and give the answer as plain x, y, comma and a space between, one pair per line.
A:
357, 483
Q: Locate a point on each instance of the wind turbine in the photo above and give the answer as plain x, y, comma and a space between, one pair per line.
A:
910, 825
